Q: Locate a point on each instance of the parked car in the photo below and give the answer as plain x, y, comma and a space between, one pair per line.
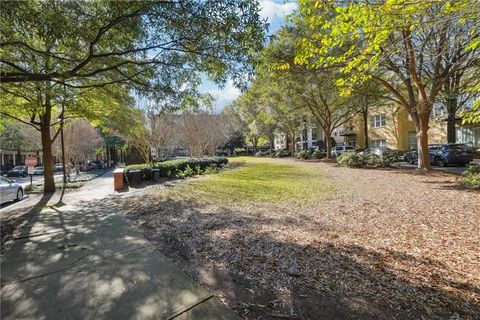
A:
444, 154
379, 151
58, 166
98, 164
18, 171
89, 166
38, 171
10, 190
339, 150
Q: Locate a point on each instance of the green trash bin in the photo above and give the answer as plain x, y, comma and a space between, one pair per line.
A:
156, 174
135, 177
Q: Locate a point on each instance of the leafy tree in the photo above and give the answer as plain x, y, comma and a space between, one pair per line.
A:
409, 56
60, 53
311, 89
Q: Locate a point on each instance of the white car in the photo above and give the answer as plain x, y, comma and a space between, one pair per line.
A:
339, 150
10, 191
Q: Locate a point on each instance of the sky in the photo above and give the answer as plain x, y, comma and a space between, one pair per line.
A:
275, 11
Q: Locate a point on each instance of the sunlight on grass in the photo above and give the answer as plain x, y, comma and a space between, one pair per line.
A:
258, 180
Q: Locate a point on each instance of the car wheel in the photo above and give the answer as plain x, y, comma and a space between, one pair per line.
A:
19, 194
440, 162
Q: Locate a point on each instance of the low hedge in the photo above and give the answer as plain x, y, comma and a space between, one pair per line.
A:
170, 168
361, 160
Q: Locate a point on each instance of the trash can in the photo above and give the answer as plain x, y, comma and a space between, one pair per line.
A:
118, 179
156, 174
135, 177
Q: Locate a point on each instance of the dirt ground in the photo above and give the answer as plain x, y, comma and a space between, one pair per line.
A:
387, 244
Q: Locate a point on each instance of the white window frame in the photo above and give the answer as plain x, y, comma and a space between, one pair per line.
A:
380, 143
379, 121
437, 111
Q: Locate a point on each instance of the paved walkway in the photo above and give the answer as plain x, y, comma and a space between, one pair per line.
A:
83, 260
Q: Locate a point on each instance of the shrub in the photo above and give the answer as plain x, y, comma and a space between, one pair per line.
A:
188, 172
317, 154
360, 160
179, 168
471, 176
211, 169
282, 153
304, 154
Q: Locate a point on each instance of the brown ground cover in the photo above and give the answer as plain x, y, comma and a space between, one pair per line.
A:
385, 244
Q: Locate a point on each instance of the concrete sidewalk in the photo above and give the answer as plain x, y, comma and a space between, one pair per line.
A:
83, 260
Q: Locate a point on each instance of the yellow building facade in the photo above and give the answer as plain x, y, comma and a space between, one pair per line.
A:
390, 126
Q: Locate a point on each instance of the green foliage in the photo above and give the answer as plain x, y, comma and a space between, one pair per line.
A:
211, 169
471, 176
282, 154
303, 154
309, 154
360, 160
188, 172
179, 168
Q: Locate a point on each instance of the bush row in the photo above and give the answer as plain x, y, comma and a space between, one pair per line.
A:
360, 160
310, 154
179, 168
282, 154
471, 176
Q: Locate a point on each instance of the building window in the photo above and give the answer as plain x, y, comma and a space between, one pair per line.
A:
378, 143
378, 121
412, 140
341, 132
314, 133
437, 111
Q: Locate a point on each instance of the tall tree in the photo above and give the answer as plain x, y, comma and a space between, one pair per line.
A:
409, 56
54, 52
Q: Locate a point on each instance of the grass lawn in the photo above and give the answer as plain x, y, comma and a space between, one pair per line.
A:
259, 180
278, 238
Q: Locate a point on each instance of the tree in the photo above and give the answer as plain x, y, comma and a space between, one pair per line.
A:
202, 133
409, 56
56, 53
312, 89
81, 141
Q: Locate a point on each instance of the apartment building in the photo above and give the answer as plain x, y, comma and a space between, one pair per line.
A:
388, 126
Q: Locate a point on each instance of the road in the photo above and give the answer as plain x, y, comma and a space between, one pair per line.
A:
36, 179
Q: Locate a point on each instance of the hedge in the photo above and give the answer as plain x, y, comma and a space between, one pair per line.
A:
170, 168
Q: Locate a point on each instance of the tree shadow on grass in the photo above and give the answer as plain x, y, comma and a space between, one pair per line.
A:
260, 274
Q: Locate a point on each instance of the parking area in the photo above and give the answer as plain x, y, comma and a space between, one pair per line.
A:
454, 169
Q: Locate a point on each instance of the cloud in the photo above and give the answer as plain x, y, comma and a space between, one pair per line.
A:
224, 96
273, 10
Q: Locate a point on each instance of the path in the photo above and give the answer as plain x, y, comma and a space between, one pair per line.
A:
82, 260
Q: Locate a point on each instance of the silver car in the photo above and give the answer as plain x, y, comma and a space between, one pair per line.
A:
10, 191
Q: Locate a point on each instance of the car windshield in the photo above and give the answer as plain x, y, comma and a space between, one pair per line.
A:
19, 168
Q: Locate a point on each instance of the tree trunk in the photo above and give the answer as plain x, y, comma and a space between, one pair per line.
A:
365, 127
451, 109
48, 170
328, 144
422, 142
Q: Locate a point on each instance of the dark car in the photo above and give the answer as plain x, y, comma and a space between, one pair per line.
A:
444, 154
18, 171
98, 164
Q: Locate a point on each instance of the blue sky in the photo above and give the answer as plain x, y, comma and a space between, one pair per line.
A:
275, 12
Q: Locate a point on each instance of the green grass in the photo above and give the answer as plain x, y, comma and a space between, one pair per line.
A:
259, 180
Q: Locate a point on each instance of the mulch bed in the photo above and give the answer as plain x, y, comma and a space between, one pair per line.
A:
390, 244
